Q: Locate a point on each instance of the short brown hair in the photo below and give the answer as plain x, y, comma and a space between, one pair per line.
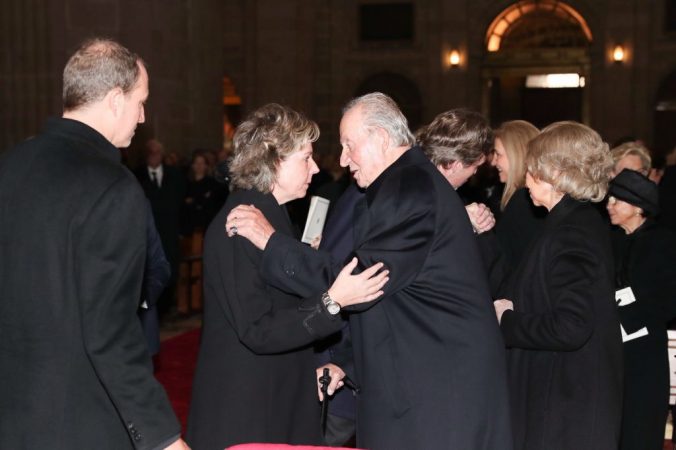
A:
98, 66
263, 140
573, 159
456, 135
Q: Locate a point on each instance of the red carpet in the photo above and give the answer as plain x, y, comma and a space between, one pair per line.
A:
175, 368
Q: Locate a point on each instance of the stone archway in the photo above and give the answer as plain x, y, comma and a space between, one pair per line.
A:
402, 90
536, 37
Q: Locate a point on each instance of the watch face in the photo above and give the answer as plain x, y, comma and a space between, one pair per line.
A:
333, 308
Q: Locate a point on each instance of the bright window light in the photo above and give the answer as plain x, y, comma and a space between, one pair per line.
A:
555, 80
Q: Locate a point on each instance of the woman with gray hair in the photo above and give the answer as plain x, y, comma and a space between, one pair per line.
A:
560, 322
631, 155
255, 377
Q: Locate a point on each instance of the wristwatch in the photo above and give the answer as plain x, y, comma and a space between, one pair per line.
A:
332, 307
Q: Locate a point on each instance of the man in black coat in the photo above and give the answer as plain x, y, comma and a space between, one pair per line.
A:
428, 355
74, 365
165, 188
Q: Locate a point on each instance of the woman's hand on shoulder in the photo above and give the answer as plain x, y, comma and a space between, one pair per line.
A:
249, 222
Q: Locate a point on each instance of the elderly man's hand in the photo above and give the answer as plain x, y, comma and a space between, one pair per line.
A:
336, 373
249, 222
480, 216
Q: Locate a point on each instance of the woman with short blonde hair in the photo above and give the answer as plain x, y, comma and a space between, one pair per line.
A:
573, 159
263, 140
255, 375
561, 323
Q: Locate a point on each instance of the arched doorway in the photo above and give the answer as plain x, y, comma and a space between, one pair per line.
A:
536, 64
665, 116
401, 89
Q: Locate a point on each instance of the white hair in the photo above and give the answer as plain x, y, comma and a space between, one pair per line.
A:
380, 111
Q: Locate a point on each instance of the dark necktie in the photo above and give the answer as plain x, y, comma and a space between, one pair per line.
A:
154, 179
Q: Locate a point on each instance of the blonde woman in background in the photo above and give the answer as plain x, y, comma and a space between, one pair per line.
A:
520, 220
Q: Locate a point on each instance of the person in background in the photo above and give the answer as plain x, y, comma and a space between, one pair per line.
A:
658, 166
75, 371
458, 142
631, 155
520, 221
254, 380
559, 319
204, 196
165, 188
645, 280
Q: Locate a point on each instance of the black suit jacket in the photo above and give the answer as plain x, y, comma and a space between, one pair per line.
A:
428, 355
166, 202
74, 366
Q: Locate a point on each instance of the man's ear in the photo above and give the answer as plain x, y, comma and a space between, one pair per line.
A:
383, 138
114, 100
453, 167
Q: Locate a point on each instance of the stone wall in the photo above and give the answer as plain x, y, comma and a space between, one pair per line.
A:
307, 54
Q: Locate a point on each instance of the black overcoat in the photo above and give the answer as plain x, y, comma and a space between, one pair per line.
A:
75, 372
255, 377
565, 357
645, 260
504, 247
429, 356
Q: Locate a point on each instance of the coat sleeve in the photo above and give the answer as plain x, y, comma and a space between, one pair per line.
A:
494, 261
110, 259
572, 271
297, 268
399, 231
157, 269
263, 322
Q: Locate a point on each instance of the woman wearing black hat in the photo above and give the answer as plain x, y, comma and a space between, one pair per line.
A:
645, 256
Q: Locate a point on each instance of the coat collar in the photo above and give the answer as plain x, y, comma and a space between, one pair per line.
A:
563, 209
414, 156
78, 131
